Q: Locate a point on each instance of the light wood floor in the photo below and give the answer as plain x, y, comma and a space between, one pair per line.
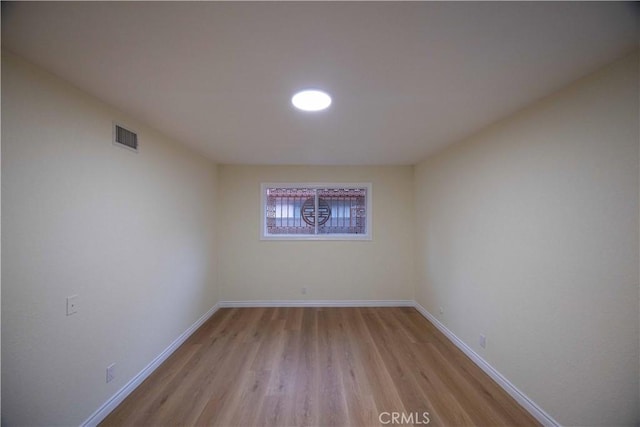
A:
318, 367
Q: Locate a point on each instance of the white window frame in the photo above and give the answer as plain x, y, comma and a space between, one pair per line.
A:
315, 185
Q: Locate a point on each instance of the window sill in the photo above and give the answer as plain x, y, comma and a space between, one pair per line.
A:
334, 237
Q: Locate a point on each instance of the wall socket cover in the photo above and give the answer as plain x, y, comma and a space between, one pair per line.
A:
111, 372
72, 305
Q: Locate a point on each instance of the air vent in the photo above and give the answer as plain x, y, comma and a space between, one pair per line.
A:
124, 137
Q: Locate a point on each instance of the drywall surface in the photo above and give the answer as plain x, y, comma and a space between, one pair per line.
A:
254, 269
528, 233
131, 234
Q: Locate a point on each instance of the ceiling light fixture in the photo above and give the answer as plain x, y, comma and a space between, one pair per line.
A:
311, 100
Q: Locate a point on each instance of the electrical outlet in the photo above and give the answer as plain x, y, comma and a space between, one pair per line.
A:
72, 305
441, 310
483, 341
304, 291
111, 372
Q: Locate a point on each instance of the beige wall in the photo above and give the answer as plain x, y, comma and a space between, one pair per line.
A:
528, 233
131, 234
252, 269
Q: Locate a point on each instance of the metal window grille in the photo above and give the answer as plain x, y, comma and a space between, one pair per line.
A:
315, 211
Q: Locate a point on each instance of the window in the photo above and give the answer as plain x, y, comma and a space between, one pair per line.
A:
316, 211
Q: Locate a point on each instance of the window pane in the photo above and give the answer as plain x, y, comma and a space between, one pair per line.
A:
284, 209
347, 210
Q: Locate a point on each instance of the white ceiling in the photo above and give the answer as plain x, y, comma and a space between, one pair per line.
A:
406, 78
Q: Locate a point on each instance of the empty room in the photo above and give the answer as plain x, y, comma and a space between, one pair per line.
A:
320, 214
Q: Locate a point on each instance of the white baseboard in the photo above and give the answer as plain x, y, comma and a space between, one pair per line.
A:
319, 303
102, 412
528, 404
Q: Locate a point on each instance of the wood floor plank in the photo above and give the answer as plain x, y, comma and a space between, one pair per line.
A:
306, 395
333, 409
318, 367
361, 405
403, 373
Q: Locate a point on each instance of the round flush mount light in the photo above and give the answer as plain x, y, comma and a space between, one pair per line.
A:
311, 100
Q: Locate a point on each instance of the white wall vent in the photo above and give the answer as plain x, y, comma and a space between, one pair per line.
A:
125, 137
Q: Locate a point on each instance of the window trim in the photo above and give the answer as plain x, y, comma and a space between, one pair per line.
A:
316, 185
